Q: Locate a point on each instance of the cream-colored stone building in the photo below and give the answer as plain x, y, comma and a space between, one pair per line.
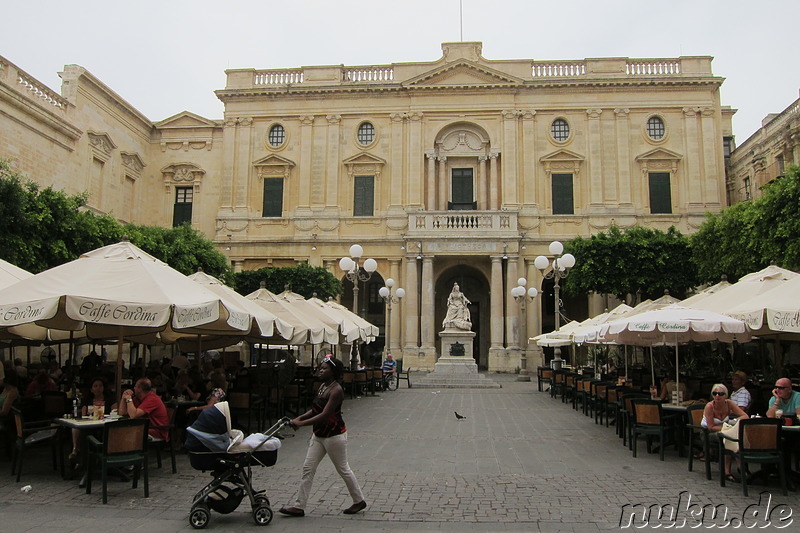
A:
765, 154
462, 170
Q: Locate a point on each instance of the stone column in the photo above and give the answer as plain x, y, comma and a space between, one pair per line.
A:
426, 295
430, 201
494, 185
396, 169
442, 200
411, 307
693, 190
394, 273
713, 171
304, 168
483, 185
332, 163
243, 157
228, 165
415, 160
595, 159
512, 307
510, 184
529, 163
496, 305
623, 156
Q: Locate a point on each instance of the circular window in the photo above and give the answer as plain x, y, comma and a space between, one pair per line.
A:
559, 130
655, 128
276, 136
366, 133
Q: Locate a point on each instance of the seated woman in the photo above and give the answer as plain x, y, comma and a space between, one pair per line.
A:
719, 410
41, 383
98, 394
218, 393
184, 386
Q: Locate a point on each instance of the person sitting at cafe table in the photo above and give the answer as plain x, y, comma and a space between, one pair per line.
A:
668, 386
142, 401
784, 399
41, 383
716, 414
740, 394
184, 387
98, 395
218, 392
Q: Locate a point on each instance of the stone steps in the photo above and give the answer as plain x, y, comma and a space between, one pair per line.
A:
471, 381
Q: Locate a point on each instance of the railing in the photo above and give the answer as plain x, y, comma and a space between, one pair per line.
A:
653, 67
780, 119
40, 91
278, 77
560, 69
449, 221
369, 74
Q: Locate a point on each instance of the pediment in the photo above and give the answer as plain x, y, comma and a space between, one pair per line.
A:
463, 73
659, 154
364, 158
273, 160
101, 141
133, 161
186, 119
562, 155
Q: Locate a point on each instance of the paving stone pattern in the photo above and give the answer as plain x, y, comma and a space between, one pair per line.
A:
520, 461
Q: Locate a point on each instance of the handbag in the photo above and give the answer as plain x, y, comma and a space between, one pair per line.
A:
732, 431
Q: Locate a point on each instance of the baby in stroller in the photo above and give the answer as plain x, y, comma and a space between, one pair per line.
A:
213, 445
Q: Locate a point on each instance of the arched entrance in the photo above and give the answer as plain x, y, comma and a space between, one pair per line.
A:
475, 286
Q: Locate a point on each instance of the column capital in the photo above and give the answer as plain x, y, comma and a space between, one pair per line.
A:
707, 111
690, 111
441, 158
334, 119
594, 113
415, 116
527, 114
306, 120
622, 112
510, 114
397, 117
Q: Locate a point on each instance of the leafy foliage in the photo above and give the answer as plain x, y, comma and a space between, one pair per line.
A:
637, 260
750, 235
303, 279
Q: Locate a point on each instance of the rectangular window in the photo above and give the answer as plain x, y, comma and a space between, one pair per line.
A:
463, 197
563, 197
364, 196
182, 210
273, 197
660, 194
727, 146
746, 188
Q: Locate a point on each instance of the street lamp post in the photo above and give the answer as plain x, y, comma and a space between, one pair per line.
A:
357, 273
386, 294
559, 269
519, 293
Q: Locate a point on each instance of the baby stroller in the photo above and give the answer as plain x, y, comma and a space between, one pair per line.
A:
214, 446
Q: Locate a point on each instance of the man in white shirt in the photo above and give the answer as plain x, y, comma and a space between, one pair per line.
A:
740, 395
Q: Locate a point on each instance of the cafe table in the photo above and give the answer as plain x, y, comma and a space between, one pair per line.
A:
84, 424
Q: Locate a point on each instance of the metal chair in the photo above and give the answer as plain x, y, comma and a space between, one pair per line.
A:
650, 421
30, 434
699, 437
544, 374
759, 442
158, 444
124, 444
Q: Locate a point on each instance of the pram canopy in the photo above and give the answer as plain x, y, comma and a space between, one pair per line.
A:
213, 432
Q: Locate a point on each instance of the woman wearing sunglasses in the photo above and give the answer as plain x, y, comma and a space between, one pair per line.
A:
717, 412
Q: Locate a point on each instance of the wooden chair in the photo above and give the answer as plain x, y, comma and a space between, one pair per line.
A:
376, 383
698, 437
29, 435
626, 416
650, 421
599, 400
569, 389
759, 442
348, 383
557, 386
544, 374
158, 444
359, 383
124, 444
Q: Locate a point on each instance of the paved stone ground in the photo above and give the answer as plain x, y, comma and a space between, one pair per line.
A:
520, 461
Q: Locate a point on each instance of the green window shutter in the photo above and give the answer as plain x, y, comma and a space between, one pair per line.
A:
273, 197
563, 198
182, 209
660, 194
364, 196
462, 186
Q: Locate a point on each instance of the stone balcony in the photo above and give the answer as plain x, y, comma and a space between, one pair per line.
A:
462, 224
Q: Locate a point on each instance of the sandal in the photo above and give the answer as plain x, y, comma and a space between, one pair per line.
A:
700, 456
731, 478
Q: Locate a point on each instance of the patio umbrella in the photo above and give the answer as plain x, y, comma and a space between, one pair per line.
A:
773, 312
307, 328
368, 332
675, 325
748, 287
119, 291
550, 338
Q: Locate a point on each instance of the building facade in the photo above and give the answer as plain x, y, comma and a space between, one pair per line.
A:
461, 170
764, 155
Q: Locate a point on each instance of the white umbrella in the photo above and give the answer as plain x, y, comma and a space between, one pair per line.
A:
119, 291
748, 287
307, 328
368, 331
674, 325
550, 338
773, 312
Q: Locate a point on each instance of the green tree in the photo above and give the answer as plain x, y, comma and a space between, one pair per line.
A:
637, 260
750, 235
303, 279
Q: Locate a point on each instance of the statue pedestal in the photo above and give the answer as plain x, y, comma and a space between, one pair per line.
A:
456, 371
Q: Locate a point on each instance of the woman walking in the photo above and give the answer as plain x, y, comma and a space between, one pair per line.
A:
329, 437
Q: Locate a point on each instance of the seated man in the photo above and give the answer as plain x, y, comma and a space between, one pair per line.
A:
142, 401
389, 366
668, 386
740, 395
784, 399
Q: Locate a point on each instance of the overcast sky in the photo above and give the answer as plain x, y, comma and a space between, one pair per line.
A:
166, 56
